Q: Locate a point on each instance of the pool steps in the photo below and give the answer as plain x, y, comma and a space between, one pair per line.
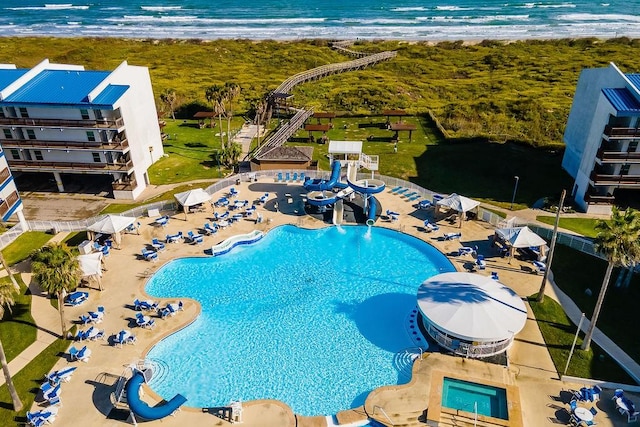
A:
233, 241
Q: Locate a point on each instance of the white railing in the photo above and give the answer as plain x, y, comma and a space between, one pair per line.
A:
383, 412
369, 161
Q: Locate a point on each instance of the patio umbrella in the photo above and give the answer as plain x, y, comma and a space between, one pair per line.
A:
191, 198
458, 203
112, 224
520, 237
91, 267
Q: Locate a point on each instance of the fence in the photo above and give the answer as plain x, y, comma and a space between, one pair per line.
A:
575, 242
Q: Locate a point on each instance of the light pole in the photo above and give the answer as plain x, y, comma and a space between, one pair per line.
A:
218, 163
515, 188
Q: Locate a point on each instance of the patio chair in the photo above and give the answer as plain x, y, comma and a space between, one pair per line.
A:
295, 177
40, 418
149, 255
466, 250
233, 192
424, 204
174, 238
279, 179
480, 262
264, 198
617, 393
303, 177
539, 266
105, 251
144, 321
593, 410
209, 229
596, 392
157, 244
62, 375
83, 354
429, 226
195, 238
144, 305
452, 236
409, 195
85, 319
287, 177
494, 275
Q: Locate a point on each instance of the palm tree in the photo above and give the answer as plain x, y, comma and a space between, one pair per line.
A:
619, 241
232, 91
7, 290
216, 95
259, 106
57, 271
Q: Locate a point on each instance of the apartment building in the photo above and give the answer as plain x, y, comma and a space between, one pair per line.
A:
59, 120
601, 137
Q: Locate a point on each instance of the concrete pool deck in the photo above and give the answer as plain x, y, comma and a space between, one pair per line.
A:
87, 397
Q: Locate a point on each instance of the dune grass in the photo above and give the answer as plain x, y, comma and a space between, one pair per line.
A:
24, 245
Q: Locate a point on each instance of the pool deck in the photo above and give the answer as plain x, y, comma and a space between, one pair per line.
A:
87, 397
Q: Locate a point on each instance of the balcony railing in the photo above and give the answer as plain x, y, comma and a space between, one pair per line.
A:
8, 203
124, 186
4, 175
606, 179
618, 156
58, 145
599, 200
468, 349
617, 132
69, 166
63, 123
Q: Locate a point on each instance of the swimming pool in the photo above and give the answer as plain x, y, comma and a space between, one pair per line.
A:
469, 397
309, 317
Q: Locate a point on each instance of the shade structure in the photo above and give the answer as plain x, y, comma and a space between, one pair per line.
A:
471, 314
459, 203
111, 224
520, 237
91, 267
192, 197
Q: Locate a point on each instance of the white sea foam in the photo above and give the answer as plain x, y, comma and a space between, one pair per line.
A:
49, 7
408, 9
215, 21
450, 8
598, 17
556, 6
160, 8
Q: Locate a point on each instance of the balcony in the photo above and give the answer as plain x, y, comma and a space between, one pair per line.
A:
125, 186
64, 145
70, 167
621, 133
63, 123
7, 204
4, 175
617, 180
599, 200
608, 156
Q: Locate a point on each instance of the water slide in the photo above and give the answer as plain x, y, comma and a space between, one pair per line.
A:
338, 212
323, 184
141, 408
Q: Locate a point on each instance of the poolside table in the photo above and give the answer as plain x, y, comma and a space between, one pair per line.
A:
583, 414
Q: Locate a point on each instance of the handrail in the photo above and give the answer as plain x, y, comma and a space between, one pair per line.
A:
383, 413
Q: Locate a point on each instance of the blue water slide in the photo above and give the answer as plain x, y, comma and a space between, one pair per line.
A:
322, 184
141, 409
373, 206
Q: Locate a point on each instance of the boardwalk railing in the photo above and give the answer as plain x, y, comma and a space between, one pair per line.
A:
283, 133
343, 47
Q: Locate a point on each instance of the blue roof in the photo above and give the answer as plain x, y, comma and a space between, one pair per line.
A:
63, 87
623, 101
634, 79
9, 76
110, 95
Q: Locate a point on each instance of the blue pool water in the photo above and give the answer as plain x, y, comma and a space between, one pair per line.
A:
463, 395
309, 317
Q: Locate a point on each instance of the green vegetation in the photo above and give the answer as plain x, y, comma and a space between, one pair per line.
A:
24, 245
558, 333
519, 91
17, 330
583, 226
575, 272
27, 382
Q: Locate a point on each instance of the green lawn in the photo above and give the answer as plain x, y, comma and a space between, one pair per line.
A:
558, 333
17, 329
583, 226
575, 272
27, 382
24, 245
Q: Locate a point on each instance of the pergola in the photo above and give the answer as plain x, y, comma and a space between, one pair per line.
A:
202, 115
402, 127
320, 115
394, 113
324, 128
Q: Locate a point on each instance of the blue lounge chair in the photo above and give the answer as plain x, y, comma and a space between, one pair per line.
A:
40, 418
85, 319
425, 204
279, 176
539, 267
494, 275
133, 228
303, 177
209, 229
62, 375
287, 177
264, 198
123, 337
162, 221
429, 226
573, 404
76, 298
233, 192
174, 238
466, 250
144, 305
97, 316
149, 255
414, 198
394, 189
402, 190
144, 321
157, 245
195, 238
452, 236
393, 216
480, 262
105, 250
83, 354
409, 195
295, 177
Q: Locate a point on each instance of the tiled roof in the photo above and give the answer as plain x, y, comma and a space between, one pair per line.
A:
289, 154
622, 100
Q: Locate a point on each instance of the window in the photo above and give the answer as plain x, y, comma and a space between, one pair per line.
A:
2, 112
91, 136
84, 114
633, 146
624, 169
31, 134
38, 154
23, 112
96, 157
7, 133
15, 154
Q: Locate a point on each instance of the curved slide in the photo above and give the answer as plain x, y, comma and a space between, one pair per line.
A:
141, 409
323, 184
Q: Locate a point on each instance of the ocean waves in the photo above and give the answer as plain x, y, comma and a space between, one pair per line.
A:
331, 19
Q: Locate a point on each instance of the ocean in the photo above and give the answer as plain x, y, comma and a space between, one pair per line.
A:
325, 19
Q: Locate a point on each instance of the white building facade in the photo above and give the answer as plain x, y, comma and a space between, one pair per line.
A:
61, 119
601, 137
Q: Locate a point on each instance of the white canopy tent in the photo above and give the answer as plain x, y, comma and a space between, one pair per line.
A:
471, 314
193, 197
111, 224
458, 203
520, 237
91, 267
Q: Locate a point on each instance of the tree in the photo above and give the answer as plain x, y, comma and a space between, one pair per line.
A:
231, 153
618, 240
57, 270
259, 107
7, 290
232, 91
216, 95
169, 97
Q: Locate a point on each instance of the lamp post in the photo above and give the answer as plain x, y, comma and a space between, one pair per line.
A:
218, 163
515, 188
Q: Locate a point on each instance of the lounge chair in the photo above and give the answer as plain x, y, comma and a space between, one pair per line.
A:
480, 262
402, 190
209, 229
303, 177
195, 238
295, 177
264, 198
149, 255
451, 236
85, 319
157, 244
144, 305
76, 298
494, 275
80, 335
170, 310
144, 321
133, 228
83, 354
62, 375
279, 179
162, 221
223, 201
539, 266
287, 177
393, 216
233, 192
40, 418
429, 226
98, 315
174, 238
50, 391
409, 195
97, 247
95, 334
106, 250
466, 250
413, 198
394, 189
617, 393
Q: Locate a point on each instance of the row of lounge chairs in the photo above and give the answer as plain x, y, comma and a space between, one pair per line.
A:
291, 178
411, 196
91, 334
50, 391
